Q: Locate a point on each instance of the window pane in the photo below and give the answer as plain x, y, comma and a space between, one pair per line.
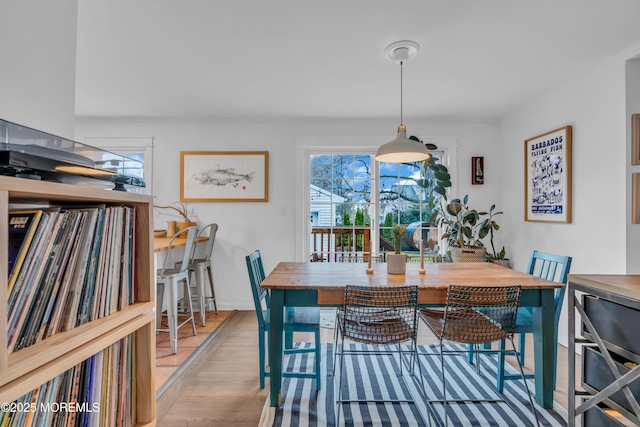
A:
343, 165
362, 192
342, 188
320, 166
340, 206
362, 166
402, 188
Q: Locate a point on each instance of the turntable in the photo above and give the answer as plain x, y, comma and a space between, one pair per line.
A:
33, 154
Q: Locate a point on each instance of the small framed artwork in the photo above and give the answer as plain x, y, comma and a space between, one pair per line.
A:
477, 170
635, 139
547, 177
635, 198
224, 176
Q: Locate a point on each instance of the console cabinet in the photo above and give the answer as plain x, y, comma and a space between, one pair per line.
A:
26, 369
607, 308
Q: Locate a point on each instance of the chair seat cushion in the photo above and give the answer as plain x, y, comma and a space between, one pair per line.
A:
464, 325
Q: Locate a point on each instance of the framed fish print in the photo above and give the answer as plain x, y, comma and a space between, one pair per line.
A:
547, 177
224, 176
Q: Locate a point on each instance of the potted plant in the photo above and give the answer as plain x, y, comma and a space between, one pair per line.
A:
181, 209
397, 261
500, 258
496, 257
464, 228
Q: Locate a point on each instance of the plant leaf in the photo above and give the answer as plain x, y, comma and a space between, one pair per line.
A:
454, 208
442, 176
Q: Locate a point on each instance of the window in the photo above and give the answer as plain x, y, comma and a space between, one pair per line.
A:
352, 201
340, 202
137, 148
405, 191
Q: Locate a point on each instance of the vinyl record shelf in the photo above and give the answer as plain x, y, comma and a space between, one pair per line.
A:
26, 369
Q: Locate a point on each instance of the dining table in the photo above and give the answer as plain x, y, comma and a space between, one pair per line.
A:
318, 284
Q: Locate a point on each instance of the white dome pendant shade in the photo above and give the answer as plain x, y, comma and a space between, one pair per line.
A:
402, 149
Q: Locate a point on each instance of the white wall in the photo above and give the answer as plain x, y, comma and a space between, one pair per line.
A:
38, 51
594, 106
633, 107
270, 226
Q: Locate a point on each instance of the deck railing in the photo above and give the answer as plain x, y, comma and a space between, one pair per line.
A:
340, 244
352, 244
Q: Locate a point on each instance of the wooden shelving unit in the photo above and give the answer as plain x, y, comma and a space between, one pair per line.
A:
26, 369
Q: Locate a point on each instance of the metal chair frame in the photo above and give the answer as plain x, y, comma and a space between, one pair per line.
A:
380, 316
168, 280
296, 319
474, 315
203, 271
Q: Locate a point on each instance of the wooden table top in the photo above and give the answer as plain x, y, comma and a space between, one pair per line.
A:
622, 284
162, 243
329, 279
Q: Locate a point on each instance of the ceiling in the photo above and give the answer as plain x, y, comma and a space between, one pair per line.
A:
479, 59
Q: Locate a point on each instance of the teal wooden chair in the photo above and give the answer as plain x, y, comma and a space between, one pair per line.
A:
296, 319
550, 267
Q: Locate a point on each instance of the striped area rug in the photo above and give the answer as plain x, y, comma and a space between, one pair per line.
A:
375, 377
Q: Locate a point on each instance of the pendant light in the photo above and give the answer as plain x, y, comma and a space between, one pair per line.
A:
402, 149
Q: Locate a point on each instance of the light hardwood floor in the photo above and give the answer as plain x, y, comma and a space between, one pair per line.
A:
225, 391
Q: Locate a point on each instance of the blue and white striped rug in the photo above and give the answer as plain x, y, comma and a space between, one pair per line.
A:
375, 377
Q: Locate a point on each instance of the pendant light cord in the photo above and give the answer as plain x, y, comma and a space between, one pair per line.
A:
401, 122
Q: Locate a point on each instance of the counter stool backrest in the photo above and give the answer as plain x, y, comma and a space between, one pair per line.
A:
187, 253
208, 230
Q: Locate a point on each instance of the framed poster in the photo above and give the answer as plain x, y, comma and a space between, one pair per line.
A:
224, 176
547, 177
477, 170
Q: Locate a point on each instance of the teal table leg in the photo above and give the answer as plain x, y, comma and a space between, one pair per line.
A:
543, 337
275, 346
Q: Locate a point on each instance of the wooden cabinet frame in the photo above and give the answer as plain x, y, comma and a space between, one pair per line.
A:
30, 367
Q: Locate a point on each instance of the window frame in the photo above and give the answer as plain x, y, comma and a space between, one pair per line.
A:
129, 144
307, 146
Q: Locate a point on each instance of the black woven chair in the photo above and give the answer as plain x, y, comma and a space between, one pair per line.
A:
384, 317
474, 315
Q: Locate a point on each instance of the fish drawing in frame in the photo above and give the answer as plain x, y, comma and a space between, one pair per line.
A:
222, 177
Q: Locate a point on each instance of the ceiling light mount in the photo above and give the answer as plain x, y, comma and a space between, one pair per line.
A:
401, 51
402, 149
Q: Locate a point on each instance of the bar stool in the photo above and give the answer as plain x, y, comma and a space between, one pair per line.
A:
200, 266
168, 280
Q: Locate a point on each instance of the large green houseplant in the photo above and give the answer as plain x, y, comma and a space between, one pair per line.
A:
464, 228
